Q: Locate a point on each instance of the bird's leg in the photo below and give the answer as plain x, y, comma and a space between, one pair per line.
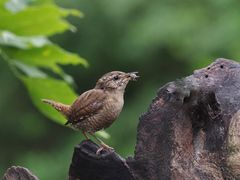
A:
85, 135
103, 145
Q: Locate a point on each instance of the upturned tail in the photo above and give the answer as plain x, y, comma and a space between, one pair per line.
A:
62, 108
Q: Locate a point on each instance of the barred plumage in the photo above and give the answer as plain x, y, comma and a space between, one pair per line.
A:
62, 108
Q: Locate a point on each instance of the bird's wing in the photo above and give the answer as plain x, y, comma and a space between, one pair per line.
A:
87, 104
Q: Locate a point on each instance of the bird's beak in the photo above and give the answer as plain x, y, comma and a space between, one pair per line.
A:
133, 76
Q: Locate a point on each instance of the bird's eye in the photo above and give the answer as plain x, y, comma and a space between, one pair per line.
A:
116, 78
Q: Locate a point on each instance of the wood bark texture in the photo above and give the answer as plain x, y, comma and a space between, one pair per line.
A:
18, 173
190, 131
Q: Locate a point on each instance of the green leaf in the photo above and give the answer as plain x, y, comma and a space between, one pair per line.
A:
18, 5
46, 57
9, 39
47, 88
15, 6
47, 19
30, 71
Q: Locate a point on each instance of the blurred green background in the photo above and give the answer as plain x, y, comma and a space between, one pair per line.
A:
162, 39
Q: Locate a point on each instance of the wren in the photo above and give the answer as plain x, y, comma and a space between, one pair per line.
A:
99, 107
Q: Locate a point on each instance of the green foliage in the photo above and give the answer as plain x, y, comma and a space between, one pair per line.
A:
190, 31
40, 20
28, 51
49, 56
40, 88
22, 42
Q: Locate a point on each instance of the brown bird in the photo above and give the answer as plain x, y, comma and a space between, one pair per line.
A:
99, 107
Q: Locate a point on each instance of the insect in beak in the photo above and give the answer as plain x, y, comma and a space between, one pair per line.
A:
133, 76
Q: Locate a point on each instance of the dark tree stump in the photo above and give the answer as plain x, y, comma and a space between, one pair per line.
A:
191, 131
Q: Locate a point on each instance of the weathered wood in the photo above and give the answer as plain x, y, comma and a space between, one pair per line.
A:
18, 173
233, 146
191, 131
86, 164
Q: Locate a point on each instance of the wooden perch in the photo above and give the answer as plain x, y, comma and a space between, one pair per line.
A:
191, 131
86, 164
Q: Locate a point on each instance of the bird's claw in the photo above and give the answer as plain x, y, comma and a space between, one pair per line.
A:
104, 147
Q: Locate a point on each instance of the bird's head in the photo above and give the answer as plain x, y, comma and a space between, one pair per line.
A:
115, 80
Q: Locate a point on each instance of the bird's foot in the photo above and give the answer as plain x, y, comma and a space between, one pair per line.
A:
104, 147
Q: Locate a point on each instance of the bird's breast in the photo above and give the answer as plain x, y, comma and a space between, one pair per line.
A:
105, 117
109, 113
113, 107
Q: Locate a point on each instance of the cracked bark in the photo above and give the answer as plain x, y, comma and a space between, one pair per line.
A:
190, 131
